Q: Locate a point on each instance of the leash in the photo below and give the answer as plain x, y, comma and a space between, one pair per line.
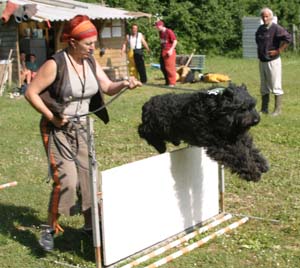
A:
101, 107
64, 151
212, 91
167, 87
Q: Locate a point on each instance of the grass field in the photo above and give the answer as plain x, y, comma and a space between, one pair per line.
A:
258, 243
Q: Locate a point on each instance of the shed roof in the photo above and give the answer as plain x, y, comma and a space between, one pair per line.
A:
60, 10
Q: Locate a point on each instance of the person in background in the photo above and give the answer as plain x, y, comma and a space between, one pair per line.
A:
271, 39
65, 88
168, 42
25, 73
136, 42
32, 65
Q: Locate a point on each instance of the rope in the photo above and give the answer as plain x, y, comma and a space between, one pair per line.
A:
257, 218
167, 87
64, 151
101, 107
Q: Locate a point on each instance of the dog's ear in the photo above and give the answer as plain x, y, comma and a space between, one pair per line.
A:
243, 86
232, 90
228, 92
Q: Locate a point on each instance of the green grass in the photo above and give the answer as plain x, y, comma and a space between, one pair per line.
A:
258, 243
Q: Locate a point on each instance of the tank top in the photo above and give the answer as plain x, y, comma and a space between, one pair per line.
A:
79, 103
135, 42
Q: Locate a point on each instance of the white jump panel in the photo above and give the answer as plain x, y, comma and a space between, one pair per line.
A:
148, 201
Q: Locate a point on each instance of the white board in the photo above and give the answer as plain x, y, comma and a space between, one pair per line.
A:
148, 201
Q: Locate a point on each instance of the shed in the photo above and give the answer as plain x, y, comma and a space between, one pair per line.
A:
250, 25
34, 26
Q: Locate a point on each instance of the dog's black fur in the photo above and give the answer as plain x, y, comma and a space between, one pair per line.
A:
217, 119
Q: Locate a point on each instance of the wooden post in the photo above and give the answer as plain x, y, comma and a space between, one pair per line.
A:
94, 192
221, 188
294, 37
190, 58
197, 244
9, 184
5, 73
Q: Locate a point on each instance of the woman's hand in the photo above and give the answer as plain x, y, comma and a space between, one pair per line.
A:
132, 82
59, 121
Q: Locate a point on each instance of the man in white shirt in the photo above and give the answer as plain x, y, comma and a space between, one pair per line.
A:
136, 42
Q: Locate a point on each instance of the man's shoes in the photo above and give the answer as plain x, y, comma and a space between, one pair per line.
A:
46, 240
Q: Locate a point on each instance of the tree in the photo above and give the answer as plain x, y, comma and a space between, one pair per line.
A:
209, 26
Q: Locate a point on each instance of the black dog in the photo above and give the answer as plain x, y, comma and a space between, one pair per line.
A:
217, 119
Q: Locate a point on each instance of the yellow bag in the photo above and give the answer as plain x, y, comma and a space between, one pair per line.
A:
215, 78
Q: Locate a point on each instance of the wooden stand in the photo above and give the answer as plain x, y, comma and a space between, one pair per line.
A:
6, 73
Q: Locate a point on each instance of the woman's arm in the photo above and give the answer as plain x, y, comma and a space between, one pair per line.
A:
44, 78
111, 88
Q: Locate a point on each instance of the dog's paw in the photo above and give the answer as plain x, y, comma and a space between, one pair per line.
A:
176, 142
251, 176
262, 163
264, 168
160, 147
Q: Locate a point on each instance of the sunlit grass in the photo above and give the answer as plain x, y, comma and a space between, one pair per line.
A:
258, 243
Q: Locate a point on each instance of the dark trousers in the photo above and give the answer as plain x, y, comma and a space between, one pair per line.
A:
140, 66
163, 69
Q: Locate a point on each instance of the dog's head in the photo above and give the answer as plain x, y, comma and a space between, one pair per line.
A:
235, 109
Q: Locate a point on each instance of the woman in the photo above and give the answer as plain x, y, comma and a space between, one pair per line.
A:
65, 87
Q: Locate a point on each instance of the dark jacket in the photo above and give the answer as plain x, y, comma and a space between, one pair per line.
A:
270, 39
56, 99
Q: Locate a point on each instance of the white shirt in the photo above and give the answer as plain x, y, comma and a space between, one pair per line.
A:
135, 42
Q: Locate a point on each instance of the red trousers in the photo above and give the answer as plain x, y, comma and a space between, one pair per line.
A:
168, 66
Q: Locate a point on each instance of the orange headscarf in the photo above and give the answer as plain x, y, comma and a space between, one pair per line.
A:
83, 30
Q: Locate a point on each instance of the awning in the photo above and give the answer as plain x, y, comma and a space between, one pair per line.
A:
58, 10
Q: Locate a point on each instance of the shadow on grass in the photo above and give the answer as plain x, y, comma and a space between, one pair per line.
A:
22, 225
76, 242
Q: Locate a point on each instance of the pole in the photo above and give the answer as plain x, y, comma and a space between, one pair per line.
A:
221, 188
93, 185
190, 58
9, 184
197, 244
294, 37
177, 242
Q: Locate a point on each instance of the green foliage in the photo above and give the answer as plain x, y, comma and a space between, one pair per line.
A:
211, 27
